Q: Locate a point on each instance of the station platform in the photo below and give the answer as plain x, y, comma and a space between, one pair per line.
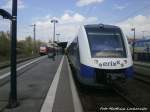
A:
147, 64
45, 86
142, 68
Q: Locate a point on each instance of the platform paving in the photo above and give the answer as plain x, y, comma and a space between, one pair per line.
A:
63, 101
33, 84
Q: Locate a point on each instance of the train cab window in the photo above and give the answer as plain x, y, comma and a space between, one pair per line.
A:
106, 43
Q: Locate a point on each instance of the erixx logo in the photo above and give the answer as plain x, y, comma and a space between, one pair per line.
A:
110, 63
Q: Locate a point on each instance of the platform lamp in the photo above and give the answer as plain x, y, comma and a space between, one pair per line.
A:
54, 21
13, 103
58, 34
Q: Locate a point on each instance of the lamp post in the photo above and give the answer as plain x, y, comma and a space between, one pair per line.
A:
58, 37
13, 93
5, 14
133, 45
54, 22
13, 77
57, 42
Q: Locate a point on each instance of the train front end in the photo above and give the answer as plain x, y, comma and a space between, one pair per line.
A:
107, 57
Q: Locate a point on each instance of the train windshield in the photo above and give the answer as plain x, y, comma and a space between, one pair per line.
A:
106, 43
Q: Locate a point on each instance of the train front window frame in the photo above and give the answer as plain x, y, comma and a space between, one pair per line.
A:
119, 52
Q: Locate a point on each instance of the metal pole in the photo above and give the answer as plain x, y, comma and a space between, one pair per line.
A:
57, 42
54, 21
34, 38
13, 82
54, 34
143, 34
34, 32
134, 44
54, 39
58, 37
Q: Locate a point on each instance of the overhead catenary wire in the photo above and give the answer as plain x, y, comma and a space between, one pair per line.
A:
133, 13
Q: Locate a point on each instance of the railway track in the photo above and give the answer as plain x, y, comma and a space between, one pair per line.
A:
21, 68
112, 100
142, 78
146, 65
142, 73
116, 99
102, 101
7, 64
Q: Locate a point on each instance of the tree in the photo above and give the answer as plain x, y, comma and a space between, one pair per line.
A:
4, 44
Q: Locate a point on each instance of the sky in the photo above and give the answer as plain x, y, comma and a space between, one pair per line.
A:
71, 14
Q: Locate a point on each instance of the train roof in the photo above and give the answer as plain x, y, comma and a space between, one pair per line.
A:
101, 25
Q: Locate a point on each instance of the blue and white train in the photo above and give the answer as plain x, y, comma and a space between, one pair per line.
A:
100, 53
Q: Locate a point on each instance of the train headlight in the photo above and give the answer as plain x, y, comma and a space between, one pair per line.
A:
96, 61
122, 65
125, 61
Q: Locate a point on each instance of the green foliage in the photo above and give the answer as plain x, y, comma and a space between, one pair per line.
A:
4, 45
25, 48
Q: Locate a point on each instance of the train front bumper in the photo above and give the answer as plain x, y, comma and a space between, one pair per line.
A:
104, 76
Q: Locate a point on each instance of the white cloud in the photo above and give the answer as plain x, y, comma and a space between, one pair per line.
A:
81, 3
79, 18
66, 17
69, 11
140, 22
68, 25
4, 25
76, 18
8, 4
119, 7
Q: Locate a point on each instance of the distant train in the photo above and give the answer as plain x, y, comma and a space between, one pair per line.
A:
43, 50
142, 50
100, 54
